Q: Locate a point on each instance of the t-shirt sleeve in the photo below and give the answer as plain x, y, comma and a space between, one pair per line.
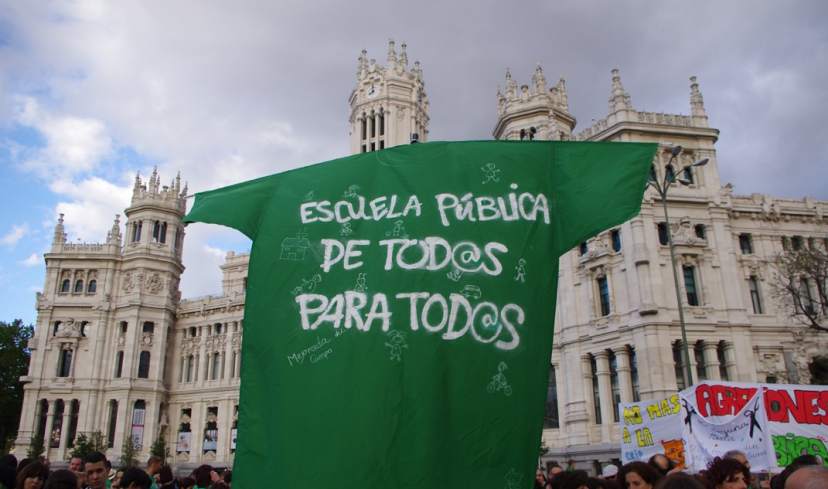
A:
596, 186
238, 206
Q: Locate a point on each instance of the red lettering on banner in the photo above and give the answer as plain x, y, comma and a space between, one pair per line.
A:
722, 400
806, 407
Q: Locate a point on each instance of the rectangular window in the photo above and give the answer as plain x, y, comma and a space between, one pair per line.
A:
636, 391
596, 397
362, 132
700, 231
616, 389
755, 298
119, 364
796, 243
148, 327
113, 421
688, 175
663, 237
603, 292
678, 365
746, 244
64, 363
582, 248
136, 231
551, 419
615, 235
690, 285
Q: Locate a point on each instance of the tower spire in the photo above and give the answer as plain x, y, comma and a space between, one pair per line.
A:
539, 80
696, 99
114, 235
619, 99
391, 60
59, 237
403, 56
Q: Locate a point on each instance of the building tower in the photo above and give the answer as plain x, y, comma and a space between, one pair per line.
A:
533, 112
98, 355
389, 105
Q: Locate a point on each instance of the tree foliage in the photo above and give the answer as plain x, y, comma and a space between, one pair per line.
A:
159, 448
84, 445
129, 453
14, 363
36, 447
801, 283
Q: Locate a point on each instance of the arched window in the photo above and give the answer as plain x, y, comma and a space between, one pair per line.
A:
119, 364
596, 394
74, 408
57, 425
551, 419
671, 173
92, 287
615, 237
136, 231
690, 285
698, 353
362, 123
373, 125
190, 366
64, 362
755, 297
64, 286
43, 413
603, 295
113, 421
720, 353
138, 413
678, 365
663, 237
381, 122
163, 237
78, 286
700, 231
143, 365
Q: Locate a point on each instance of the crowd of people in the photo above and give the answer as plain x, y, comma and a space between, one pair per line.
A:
96, 472
732, 471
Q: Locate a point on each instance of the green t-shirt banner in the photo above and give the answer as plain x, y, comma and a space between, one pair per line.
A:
400, 306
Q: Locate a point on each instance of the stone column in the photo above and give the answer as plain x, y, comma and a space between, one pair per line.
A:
730, 362
575, 406
64, 430
642, 267
50, 421
605, 393
228, 354
237, 369
624, 378
711, 361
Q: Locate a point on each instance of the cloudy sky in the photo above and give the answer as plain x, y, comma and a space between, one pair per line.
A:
91, 92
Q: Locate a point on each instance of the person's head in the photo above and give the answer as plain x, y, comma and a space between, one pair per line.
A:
779, 480
202, 475
554, 469
808, 477
8, 460
727, 473
135, 478
153, 465
679, 481
116, 479
187, 483
23, 463
95, 469
76, 464
610, 471
599, 483
638, 475
661, 463
571, 479
62, 479
32, 476
739, 456
227, 476
165, 475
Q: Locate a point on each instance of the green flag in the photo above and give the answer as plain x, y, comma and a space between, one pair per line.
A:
400, 306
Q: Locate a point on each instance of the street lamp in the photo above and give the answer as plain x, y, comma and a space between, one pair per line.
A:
662, 189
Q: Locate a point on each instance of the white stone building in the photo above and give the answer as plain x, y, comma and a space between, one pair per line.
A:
117, 351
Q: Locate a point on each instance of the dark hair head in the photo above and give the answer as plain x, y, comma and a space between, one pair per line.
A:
95, 457
644, 470
154, 459
187, 482
202, 475
654, 463
34, 469
24, 462
679, 480
165, 474
598, 483
8, 460
228, 476
722, 470
136, 476
62, 479
572, 479
778, 481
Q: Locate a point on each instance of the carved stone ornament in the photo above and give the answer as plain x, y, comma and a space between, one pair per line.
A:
69, 329
155, 283
128, 284
684, 234
147, 339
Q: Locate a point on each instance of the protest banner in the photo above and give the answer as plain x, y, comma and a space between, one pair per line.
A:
400, 307
796, 415
651, 427
745, 429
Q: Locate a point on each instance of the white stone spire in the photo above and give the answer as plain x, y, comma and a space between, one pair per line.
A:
696, 99
538, 80
619, 99
59, 237
114, 234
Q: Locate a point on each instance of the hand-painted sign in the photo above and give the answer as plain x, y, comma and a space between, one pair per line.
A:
651, 427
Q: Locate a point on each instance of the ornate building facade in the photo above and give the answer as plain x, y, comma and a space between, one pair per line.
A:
116, 350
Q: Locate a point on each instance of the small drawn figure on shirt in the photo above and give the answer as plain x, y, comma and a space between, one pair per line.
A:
308, 285
352, 192
345, 229
294, 249
513, 479
361, 282
520, 271
398, 230
455, 275
499, 382
491, 173
309, 195
395, 344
